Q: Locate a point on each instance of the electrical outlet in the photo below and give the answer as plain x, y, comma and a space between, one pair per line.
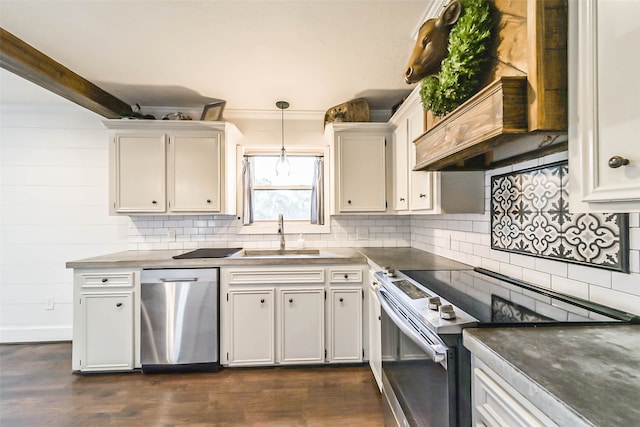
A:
171, 235
49, 303
362, 233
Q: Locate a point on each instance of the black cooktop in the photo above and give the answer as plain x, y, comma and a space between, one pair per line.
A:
208, 253
494, 299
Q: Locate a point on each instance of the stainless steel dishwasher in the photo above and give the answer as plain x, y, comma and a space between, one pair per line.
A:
179, 320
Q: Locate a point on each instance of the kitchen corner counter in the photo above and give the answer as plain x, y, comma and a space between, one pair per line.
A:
577, 376
410, 259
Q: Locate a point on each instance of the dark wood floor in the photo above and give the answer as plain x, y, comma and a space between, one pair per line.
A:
37, 388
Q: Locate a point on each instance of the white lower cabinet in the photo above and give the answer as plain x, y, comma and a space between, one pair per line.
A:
302, 326
251, 334
497, 404
106, 330
278, 315
345, 308
375, 336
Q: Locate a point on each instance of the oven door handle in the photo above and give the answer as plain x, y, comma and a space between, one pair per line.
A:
434, 352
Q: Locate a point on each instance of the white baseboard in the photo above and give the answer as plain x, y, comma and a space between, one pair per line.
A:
35, 334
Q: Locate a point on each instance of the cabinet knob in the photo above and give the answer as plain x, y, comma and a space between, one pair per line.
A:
154, 202
379, 317
119, 304
341, 299
262, 301
402, 199
349, 201
422, 195
105, 280
346, 276
617, 161
290, 299
208, 200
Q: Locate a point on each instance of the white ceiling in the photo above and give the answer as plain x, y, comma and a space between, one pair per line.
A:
180, 53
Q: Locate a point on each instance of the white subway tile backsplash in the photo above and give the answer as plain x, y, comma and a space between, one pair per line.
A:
590, 275
536, 277
570, 286
613, 298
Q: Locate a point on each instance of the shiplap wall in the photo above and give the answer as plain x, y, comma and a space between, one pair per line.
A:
53, 195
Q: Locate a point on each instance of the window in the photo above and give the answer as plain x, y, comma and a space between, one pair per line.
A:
289, 195
299, 196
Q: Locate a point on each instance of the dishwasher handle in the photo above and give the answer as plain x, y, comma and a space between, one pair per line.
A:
187, 279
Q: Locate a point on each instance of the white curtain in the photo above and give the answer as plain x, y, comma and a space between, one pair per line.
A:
247, 191
317, 192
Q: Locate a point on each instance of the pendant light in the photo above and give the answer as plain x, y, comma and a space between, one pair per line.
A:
282, 167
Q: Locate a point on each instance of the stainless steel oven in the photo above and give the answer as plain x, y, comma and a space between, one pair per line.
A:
426, 377
419, 354
418, 368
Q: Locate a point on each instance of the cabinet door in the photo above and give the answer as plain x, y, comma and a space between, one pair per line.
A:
361, 173
375, 338
108, 331
140, 163
251, 334
604, 111
400, 167
195, 174
420, 182
302, 326
345, 325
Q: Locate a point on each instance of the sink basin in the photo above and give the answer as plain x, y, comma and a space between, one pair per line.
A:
278, 252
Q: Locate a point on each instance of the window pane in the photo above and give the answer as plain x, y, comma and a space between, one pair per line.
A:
293, 204
301, 170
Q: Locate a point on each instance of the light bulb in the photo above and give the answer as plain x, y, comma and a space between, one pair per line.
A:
282, 166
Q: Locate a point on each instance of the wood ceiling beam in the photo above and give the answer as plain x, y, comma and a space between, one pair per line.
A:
29, 63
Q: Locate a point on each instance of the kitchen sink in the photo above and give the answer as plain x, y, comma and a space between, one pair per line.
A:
278, 252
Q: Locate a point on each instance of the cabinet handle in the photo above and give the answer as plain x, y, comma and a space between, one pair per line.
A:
617, 161
402, 199
154, 202
341, 299
290, 299
208, 200
105, 280
262, 301
422, 195
119, 304
346, 276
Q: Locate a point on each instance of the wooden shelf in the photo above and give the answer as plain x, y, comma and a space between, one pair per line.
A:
478, 125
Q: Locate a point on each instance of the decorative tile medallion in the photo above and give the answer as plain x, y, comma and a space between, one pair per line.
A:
530, 215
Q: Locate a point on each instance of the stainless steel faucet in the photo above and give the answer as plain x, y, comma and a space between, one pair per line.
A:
281, 231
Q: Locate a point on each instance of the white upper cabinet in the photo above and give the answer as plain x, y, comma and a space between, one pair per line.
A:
138, 169
172, 167
195, 168
604, 106
425, 191
359, 167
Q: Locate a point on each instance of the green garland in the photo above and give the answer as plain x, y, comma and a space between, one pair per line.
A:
459, 77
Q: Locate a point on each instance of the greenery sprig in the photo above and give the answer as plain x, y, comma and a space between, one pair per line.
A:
459, 76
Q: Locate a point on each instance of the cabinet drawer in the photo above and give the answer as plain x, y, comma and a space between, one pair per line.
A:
495, 405
275, 276
107, 280
345, 275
